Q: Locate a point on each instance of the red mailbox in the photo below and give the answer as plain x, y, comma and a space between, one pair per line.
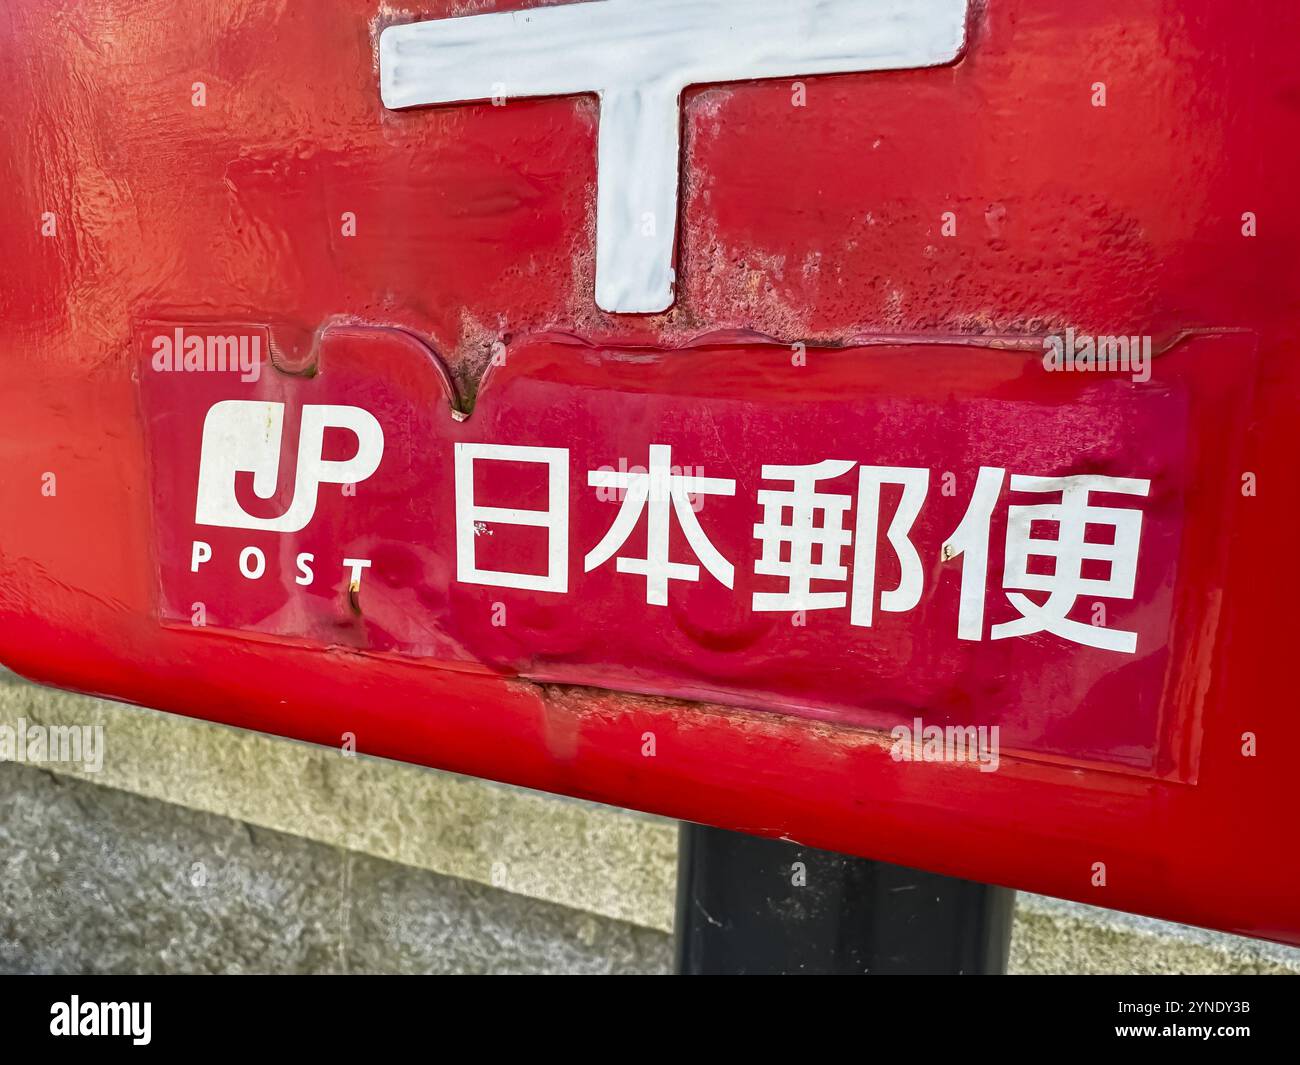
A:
864, 423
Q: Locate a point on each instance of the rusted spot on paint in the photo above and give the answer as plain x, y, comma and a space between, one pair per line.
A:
748, 725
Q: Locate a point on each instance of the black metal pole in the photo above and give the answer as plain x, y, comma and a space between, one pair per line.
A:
751, 905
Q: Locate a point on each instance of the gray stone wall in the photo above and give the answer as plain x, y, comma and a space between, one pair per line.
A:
202, 849
101, 881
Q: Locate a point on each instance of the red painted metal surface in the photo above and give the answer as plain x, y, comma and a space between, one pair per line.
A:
818, 225
409, 560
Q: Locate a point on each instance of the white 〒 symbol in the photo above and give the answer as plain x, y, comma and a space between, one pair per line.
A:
244, 435
638, 56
